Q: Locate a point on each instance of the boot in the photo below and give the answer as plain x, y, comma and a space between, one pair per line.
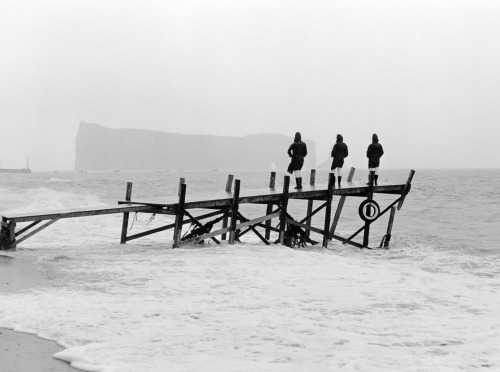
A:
371, 177
298, 181
340, 179
333, 181
376, 180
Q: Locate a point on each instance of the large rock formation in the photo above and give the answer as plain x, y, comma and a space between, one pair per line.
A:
100, 148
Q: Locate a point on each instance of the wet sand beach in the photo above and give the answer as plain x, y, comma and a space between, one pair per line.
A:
22, 352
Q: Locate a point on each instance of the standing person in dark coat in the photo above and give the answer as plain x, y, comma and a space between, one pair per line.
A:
297, 151
374, 153
339, 152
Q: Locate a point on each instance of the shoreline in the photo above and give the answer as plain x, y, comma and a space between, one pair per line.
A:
19, 351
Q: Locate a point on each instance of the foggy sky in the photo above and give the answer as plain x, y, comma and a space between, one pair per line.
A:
423, 75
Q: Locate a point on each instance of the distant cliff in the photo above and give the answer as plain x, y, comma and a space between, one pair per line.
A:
100, 148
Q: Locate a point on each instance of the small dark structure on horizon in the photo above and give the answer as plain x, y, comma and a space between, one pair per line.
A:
226, 209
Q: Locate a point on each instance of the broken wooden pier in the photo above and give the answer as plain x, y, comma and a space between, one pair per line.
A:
227, 216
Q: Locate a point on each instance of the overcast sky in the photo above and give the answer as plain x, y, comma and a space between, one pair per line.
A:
423, 75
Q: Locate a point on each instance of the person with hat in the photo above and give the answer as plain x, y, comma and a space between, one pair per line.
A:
297, 152
374, 153
339, 153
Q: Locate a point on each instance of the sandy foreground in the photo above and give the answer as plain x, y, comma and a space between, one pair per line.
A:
22, 352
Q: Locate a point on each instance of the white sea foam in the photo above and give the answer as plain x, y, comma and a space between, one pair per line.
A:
254, 307
250, 307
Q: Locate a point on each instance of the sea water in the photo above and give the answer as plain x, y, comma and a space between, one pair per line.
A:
429, 303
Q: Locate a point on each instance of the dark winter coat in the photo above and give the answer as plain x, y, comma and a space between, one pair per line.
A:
297, 151
339, 152
374, 153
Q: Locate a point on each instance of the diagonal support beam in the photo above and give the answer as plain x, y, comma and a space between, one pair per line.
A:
45, 225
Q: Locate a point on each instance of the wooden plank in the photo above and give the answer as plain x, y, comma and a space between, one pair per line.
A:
269, 209
312, 181
313, 213
328, 210
406, 189
128, 196
347, 241
229, 186
318, 194
387, 237
47, 224
203, 237
166, 227
340, 206
257, 220
283, 207
152, 231
24, 229
234, 212
179, 217
85, 213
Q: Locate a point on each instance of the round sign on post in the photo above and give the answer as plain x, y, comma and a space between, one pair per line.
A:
369, 210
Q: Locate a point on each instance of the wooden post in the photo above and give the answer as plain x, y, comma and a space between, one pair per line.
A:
182, 181
312, 182
234, 212
179, 216
328, 209
389, 228
366, 235
272, 180
7, 233
336, 218
269, 208
12, 235
128, 196
229, 183
284, 205
229, 186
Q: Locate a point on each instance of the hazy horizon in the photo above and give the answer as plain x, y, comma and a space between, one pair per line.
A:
423, 75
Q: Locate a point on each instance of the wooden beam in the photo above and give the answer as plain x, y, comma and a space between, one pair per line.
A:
234, 212
283, 206
387, 237
312, 181
12, 234
255, 221
26, 228
179, 216
406, 189
229, 183
347, 241
229, 186
47, 224
269, 209
338, 211
203, 237
328, 210
94, 212
128, 196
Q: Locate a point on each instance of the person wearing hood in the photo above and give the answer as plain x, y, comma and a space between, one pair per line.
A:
297, 152
339, 153
374, 153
